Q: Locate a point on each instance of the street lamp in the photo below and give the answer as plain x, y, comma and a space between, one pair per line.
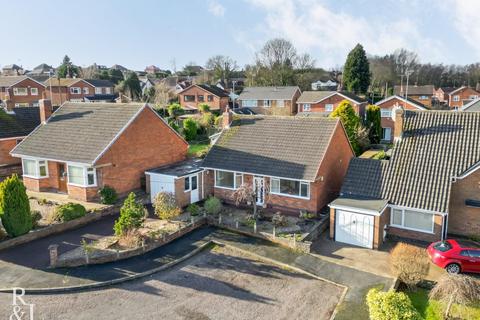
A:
407, 74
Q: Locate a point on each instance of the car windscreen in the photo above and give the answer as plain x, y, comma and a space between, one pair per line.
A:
442, 246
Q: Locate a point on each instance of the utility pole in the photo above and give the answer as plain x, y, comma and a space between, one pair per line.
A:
407, 74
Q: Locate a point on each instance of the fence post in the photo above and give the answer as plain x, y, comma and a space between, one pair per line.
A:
236, 224
220, 218
294, 240
192, 220
255, 227
274, 232
53, 250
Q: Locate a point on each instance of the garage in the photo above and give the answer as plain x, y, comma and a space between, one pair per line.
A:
354, 221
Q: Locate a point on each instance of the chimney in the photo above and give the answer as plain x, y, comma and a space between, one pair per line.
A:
227, 118
45, 110
398, 129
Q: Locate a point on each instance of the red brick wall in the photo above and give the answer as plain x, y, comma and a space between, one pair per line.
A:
422, 236
58, 95
82, 193
29, 98
147, 143
81, 85
5, 147
463, 95
335, 100
217, 103
426, 102
390, 104
464, 220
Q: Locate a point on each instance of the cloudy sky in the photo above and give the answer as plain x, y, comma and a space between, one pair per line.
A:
167, 32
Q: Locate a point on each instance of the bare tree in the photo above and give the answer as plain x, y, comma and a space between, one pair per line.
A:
305, 62
163, 95
405, 61
246, 194
222, 66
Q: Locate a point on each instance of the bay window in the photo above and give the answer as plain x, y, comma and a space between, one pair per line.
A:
228, 179
292, 188
35, 168
82, 176
412, 220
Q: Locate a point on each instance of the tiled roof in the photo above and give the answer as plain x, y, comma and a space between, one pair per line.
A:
7, 81
415, 90
313, 96
100, 82
214, 89
285, 147
78, 132
473, 105
19, 123
411, 101
436, 146
61, 82
268, 93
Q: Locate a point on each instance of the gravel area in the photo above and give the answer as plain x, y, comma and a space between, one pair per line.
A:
215, 284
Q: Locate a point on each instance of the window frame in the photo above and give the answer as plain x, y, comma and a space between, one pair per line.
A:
98, 90
385, 113
86, 90
402, 226
32, 89
210, 97
200, 98
279, 193
189, 95
16, 91
384, 129
75, 90
235, 174
85, 175
250, 103
307, 107
37, 168
329, 106
267, 103
456, 98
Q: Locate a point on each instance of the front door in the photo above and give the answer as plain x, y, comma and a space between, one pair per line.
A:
194, 188
259, 190
62, 178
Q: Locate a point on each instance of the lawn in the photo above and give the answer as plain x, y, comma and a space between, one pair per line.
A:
197, 148
432, 310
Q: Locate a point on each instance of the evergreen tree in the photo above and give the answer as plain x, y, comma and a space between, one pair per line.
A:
14, 207
115, 75
356, 73
67, 69
373, 123
350, 121
132, 215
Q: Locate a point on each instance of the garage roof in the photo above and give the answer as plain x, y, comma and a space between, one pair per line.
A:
368, 205
179, 169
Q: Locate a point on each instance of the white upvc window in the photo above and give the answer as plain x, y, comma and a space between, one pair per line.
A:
290, 188
472, 97
267, 103
98, 90
306, 107
386, 134
386, 113
423, 98
86, 90
329, 107
108, 90
34, 91
280, 103
228, 179
22, 104
75, 90
249, 103
20, 91
411, 219
456, 98
81, 176
35, 168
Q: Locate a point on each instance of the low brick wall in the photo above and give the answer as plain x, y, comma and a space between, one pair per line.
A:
60, 227
108, 255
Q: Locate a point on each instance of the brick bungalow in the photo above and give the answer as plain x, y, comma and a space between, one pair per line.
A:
461, 96
421, 94
83, 147
21, 91
387, 112
324, 102
197, 94
60, 90
293, 163
281, 101
427, 190
441, 94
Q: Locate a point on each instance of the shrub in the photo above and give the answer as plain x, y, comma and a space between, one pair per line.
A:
108, 195
390, 305
3, 234
166, 206
409, 263
36, 217
213, 205
190, 127
132, 215
218, 121
203, 108
130, 239
193, 209
15, 207
173, 123
207, 120
175, 110
69, 211
350, 121
279, 220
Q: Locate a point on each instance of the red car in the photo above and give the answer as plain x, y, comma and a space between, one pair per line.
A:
455, 256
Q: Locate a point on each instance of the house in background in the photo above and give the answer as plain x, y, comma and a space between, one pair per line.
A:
387, 113
325, 102
270, 100
41, 72
422, 94
424, 192
441, 94
12, 70
152, 69
461, 96
191, 97
60, 90
83, 147
292, 163
328, 85
20, 91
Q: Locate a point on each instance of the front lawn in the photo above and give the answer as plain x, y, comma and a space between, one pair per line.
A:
432, 310
196, 149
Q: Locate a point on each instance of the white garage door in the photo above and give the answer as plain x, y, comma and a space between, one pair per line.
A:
354, 228
159, 183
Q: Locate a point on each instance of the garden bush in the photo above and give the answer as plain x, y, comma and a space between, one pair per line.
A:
69, 211
108, 195
213, 205
203, 108
279, 220
390, 305
409, 263
194, 209
15, 207
132, 215
36, 217
166, 206
190, 127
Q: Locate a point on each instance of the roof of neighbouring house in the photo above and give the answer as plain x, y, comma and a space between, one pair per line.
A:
473, 105
268, 93
214, 90
426, 90
101, 97
61, 82
18, 123
79, 132
409, 100
180, 169
11, 66
100, 82
285, 147
447, 90
7, 81
436, 147
317, 96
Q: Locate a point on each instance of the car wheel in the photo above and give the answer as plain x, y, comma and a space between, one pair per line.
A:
453, 268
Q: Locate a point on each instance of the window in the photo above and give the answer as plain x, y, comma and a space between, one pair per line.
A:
456, 98
35, 104
412, 220
82, 176
75, 90
201, 98
209, 98
423, 98
387, 134
190, 183
249, 103
473, 97
24, 104
386, 113
98, 91
186, 186
34, 91
228, 179
91, 176
189, 98
267, 103
108, 90
35, 168
20, 91
474, 253
293, 188
86, 90
280, 103
306, 107
329, 107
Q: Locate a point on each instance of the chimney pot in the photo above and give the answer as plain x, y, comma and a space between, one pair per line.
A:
46, 110
227, 118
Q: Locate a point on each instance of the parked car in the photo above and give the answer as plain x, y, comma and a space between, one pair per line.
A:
456, 256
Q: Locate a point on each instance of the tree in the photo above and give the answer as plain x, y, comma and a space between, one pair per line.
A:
373, 123
350, 121
115, 75
67, 69
163, 95
458, 289
356, 73
175, 110
203, 108
222, 66
246, 194
15, 207
190, 127
130, 86
132, 216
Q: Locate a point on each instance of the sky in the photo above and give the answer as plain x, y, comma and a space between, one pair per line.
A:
173, 33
